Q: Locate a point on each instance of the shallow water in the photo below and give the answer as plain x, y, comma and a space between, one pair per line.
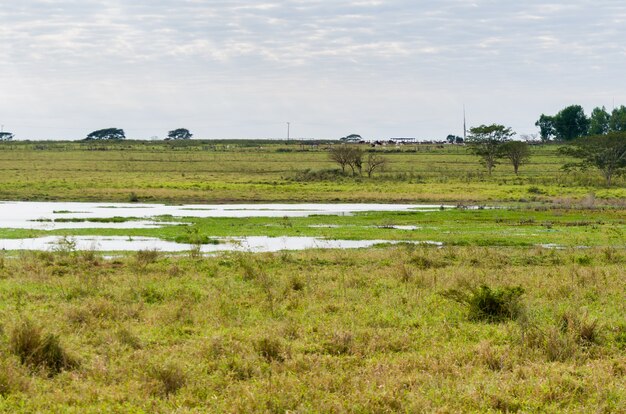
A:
44, 216
23, 215
251, 244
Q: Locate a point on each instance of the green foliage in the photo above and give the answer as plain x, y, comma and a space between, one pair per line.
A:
606, 153
486, 142
571, 123
617, 121
546, 127
107, 134
599, 121
180, 133
517, 152
486, 304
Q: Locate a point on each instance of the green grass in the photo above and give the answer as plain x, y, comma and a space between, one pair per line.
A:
205, 171
317, 331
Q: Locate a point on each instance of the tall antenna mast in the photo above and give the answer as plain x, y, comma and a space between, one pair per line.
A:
464, 125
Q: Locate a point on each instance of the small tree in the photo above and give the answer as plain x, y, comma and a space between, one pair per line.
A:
108, 133
375, 162
607, 153
341, 155
180, 133
6, 136
486, 142
355, 160
517, 152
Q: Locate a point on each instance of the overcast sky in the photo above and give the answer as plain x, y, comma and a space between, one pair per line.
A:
244, 68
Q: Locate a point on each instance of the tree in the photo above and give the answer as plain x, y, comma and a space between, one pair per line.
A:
546, 127
571, 123
108, 133
375, 162
617, 121
486, 142
599, 121
355, 160
454, 139
518, 152
607, 153
351, 138
6, 136
341, 155
180, 133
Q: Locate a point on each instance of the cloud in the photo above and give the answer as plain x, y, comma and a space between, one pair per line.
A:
234, 56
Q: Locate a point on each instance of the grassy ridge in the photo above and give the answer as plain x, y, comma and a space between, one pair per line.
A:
317, 331
205, 171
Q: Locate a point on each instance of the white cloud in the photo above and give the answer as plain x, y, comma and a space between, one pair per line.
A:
307, 59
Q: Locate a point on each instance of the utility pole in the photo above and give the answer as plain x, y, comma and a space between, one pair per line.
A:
288, 126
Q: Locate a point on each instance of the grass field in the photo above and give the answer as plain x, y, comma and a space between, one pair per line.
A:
204, 171
493, 321
317, 331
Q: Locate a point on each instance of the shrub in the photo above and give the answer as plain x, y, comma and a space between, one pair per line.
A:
270, 349
39, 350
146, 257
309, 175
169, 379
486, 304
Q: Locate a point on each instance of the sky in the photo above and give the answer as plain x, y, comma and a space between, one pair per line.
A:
244, 68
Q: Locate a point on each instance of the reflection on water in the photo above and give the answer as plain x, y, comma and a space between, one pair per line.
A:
252, 244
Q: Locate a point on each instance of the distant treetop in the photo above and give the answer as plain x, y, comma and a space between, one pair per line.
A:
108, 133
6, 136
180, 133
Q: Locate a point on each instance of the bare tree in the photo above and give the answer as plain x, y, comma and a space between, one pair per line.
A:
375, 162
355, 160
341, 155
346, 155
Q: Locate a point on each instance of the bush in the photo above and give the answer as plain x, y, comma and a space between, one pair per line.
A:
486, 304
37, 350
309, 175
169, 379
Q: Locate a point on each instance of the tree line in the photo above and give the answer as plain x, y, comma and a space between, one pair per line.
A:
118, 134
571, 123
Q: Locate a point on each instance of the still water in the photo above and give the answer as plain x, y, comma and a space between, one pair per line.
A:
55, 216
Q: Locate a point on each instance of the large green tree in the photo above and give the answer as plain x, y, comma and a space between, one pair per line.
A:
571, 123
617, 121
606, 153
599, 121
6, 136
180, 133
107, 133
486, 142
546, 127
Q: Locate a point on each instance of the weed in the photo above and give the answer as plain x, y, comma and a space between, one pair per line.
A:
169, 379
486, 304
126, 337
146, 257
340, 343
271, 349
39, 350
